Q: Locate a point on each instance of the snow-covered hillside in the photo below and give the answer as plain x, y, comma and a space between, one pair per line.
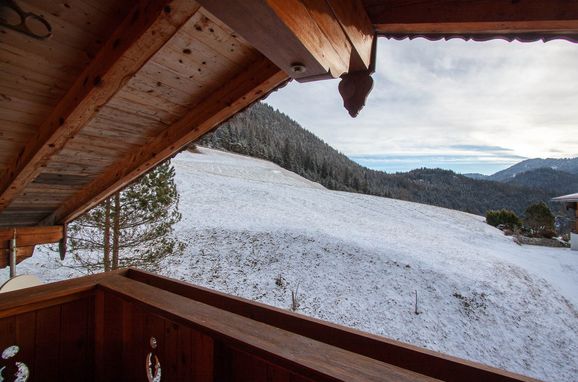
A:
258, 231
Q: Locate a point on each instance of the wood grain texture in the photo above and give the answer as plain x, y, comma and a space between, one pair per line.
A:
55, 342
524, 20
100, 326
248, 85
184, 354
26, 239
195, 63
37, 73
27, 236
145, 30
290, 351
258, 24
30, 299
423, 361
327, 38
356, 24
22, 254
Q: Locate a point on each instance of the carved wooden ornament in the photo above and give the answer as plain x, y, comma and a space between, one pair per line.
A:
354, 89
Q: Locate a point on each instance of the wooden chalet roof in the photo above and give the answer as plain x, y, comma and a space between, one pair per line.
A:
480, 20
119, 86
571, 198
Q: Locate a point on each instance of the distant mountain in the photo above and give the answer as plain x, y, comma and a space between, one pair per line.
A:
553, 181
569, 165
475, 175
262, 132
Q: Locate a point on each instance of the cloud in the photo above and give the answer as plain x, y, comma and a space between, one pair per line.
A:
454, 97
479, 148
485, 162
487, 165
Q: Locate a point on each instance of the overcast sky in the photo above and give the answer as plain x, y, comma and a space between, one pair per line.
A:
465, 106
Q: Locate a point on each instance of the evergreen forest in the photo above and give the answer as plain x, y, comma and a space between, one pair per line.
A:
263, 132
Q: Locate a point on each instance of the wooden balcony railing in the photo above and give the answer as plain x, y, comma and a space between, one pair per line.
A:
131, 325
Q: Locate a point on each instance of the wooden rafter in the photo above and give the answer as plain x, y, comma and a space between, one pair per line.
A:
308, 39
139, 36
495, 17
249, 85
357, 26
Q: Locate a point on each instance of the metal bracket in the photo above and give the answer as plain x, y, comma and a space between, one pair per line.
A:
24, 20
13, 250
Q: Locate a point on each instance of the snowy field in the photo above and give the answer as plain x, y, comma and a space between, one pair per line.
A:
258, 231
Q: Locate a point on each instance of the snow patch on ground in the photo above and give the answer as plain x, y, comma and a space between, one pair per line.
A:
258, 231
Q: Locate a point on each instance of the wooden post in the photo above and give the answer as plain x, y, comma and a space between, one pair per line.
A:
576, 222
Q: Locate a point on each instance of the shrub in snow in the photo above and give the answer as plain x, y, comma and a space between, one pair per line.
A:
507, 218
280, 281
473, 306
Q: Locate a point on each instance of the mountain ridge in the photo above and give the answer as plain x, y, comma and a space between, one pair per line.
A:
265, 133
255, 230
568, 165
545, 178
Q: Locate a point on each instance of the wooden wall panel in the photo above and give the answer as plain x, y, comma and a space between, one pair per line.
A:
108, 336
55, 343
126, 328
47, 350
76, 341
16, 331
238, 366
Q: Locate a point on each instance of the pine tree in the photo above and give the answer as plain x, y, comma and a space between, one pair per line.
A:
133, 227
540, 220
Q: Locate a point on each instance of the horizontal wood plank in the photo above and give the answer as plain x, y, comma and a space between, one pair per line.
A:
26, 240
27, 236
34, 298
484, 16
300, 354
22, 253
143, 32
423, 361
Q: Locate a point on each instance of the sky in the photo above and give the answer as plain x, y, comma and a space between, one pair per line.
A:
459, 105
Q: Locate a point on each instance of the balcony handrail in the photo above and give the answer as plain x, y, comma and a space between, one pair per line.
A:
423, 361
55, 293
304, 355
132, 283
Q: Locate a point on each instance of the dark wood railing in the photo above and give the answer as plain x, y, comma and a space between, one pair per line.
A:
129, 325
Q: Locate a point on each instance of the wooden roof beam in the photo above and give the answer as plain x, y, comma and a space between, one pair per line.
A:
494, 17
26, 239
308, 39
248, 86
139, 36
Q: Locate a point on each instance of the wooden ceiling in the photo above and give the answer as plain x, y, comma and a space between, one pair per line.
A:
120, 86
84, 111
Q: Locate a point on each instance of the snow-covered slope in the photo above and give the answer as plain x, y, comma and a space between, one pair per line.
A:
258, 231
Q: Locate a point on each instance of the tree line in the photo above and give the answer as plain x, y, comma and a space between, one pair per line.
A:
263, 132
